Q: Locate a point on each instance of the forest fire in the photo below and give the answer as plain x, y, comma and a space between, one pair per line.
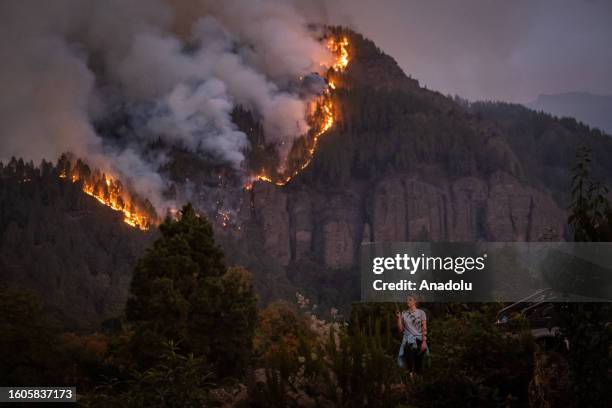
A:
140, 214
110, 192
324, 106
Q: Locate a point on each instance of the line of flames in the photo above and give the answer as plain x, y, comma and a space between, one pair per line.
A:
116, 200
340, 49
328, 122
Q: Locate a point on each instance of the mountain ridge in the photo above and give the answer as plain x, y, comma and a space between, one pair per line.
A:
592, 109
400, 163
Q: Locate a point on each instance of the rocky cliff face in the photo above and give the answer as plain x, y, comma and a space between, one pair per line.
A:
403, 131
330, 225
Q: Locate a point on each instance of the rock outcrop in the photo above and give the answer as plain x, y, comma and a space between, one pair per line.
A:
270, 211
330, 226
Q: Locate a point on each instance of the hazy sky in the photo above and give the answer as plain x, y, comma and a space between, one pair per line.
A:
489, 49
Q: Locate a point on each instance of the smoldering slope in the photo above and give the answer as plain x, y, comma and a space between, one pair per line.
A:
177, 69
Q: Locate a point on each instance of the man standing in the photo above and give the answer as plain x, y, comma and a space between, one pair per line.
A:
412, 323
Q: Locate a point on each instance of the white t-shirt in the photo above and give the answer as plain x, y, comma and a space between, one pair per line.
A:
413, 322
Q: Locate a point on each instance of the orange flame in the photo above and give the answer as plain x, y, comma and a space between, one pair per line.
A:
109, 192
340, 49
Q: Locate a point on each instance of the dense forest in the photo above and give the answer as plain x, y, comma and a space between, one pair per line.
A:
386, 123
64, 245
546, 145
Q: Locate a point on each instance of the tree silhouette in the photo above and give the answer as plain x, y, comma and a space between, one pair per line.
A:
181, 291
590, 210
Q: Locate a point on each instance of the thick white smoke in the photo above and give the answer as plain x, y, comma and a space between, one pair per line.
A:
177, 67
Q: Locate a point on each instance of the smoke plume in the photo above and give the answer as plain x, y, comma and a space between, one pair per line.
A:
176, 69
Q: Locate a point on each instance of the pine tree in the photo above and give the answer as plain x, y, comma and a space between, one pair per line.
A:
590, 210
182, 292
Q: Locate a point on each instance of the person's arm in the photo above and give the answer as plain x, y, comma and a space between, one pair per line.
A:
400, 323
424, 331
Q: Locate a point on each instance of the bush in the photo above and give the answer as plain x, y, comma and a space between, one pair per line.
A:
474, 364
176, 380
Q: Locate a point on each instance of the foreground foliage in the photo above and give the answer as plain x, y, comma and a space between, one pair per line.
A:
323, 362
176, 380
181, 291
193, 328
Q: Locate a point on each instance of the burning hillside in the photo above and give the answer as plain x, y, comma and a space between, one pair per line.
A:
110, 192
168, 81
321, 114
139, 213
119, 194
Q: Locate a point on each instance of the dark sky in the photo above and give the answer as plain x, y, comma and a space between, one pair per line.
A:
487, 49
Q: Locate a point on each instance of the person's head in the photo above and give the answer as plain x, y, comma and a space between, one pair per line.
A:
411, 301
